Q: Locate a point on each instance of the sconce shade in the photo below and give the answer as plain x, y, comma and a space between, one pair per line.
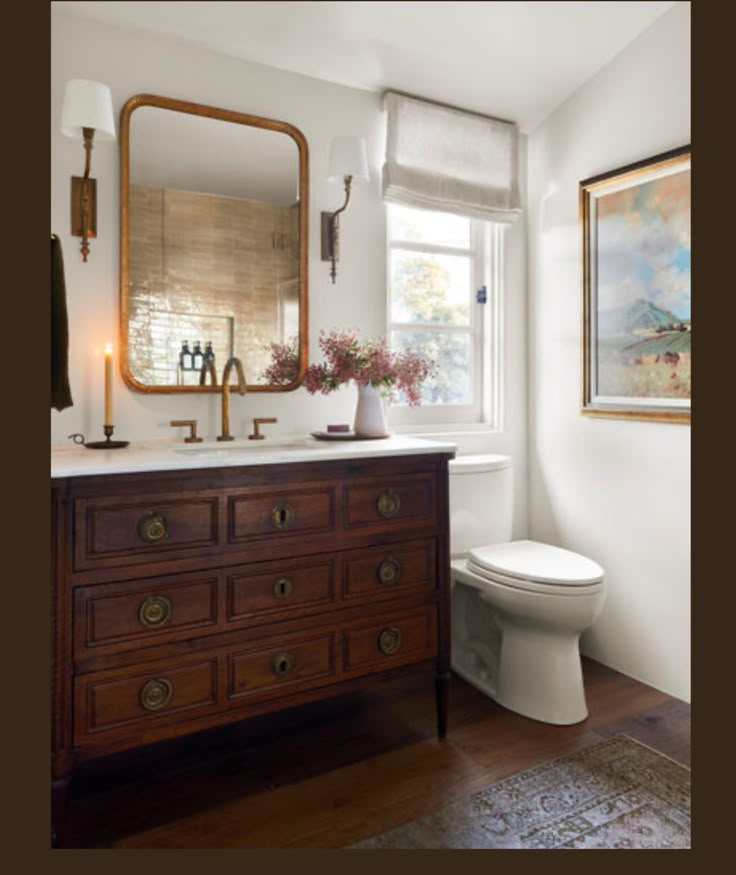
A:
348, 157
87, 104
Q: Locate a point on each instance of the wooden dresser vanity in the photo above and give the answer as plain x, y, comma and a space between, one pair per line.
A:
187, 599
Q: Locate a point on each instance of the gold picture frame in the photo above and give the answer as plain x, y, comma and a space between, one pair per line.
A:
635, 225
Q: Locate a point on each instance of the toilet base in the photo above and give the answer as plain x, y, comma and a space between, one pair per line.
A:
526, 663
540, 676
551, 693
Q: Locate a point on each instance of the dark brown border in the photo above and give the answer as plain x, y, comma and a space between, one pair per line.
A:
638, 165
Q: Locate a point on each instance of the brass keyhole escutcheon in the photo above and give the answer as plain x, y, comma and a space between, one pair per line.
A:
282, 515
156, 693
283, 663
152, 528
389, 571
154, 611
282, 588
388, 503
389, 640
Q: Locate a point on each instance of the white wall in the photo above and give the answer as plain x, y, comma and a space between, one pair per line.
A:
617, 491
132, 63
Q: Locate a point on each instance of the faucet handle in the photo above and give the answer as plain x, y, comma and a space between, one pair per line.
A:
257, 436
192, 423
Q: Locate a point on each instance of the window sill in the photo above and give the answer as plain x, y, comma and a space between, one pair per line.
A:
445, 430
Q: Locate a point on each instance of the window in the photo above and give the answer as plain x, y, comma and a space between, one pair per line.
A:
438, 263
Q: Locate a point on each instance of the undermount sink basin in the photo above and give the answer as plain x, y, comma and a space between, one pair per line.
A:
246, 446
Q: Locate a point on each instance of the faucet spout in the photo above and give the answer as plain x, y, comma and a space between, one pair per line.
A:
208, 370
241, 389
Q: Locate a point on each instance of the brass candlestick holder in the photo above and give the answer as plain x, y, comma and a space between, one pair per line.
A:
108, 443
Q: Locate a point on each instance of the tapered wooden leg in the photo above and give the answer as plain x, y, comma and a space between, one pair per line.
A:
59, 810
442, 689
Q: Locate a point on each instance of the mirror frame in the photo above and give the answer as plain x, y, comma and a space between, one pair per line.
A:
240, 118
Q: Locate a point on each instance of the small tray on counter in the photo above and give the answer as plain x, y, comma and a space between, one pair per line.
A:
345, 436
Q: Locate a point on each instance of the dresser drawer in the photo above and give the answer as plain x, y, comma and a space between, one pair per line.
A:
379, 572
390, 640
118, 616
117, 531
291, 662
278, 513
125, 700
391, 504
275, 589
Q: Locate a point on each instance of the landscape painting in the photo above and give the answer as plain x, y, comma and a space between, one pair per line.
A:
637, 298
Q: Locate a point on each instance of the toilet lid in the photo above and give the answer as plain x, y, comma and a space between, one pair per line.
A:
540, 563
478, 464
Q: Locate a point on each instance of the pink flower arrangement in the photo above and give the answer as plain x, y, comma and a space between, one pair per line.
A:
348, 357
284, 364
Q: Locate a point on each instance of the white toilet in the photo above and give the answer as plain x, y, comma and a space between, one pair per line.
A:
518, 607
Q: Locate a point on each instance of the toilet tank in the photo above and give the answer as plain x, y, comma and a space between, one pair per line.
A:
481, 502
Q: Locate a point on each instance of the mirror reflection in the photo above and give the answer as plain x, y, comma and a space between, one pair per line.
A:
214, 246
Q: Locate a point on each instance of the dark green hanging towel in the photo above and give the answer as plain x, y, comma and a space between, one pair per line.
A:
61, 395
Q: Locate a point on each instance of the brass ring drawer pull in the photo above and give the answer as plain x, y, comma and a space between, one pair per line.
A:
282, 515
389, 640
282, 588
389, 571
156, 693
152, 528
154, 611
283, 663
388, 504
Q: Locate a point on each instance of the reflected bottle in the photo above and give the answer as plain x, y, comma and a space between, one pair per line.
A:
209, 353
197, 357
185, 357
185, 363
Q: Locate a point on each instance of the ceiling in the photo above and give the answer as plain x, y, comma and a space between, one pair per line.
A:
514, 60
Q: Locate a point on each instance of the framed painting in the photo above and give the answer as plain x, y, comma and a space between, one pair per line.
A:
636, 290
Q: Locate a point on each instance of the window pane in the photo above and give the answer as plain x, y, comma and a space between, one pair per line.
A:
430, 288
453, 354
424, 226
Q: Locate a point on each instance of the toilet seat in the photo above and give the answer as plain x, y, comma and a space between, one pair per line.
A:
536, 567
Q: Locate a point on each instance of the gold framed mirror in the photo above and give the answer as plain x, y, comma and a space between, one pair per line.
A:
213, 246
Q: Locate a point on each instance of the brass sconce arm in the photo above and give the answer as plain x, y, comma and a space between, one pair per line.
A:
86, 112
331, 231
84, 198
88, 135
348, 161
348, 184
335, 228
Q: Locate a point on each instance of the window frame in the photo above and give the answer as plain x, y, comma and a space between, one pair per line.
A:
485, 253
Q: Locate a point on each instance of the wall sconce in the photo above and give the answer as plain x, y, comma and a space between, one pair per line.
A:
87, 109
348, 161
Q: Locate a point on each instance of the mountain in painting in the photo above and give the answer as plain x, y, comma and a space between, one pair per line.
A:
640, 314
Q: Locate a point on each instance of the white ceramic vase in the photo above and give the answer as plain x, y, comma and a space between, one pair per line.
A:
370, 416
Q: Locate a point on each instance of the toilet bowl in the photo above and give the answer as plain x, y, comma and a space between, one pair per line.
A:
518, 607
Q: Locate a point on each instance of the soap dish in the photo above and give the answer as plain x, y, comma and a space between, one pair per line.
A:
345, 436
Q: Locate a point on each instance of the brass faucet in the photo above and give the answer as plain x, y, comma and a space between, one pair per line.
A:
241, 389
208, 368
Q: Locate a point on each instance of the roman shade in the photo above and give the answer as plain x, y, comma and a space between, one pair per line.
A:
449, 160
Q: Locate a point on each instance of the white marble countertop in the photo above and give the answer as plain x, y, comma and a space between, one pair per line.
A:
174, 455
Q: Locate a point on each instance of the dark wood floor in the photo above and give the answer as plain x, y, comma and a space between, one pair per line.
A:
332, 773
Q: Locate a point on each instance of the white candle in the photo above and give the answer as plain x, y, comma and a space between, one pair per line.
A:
108, 384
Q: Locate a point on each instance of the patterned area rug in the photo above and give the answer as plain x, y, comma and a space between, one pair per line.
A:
617, 794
